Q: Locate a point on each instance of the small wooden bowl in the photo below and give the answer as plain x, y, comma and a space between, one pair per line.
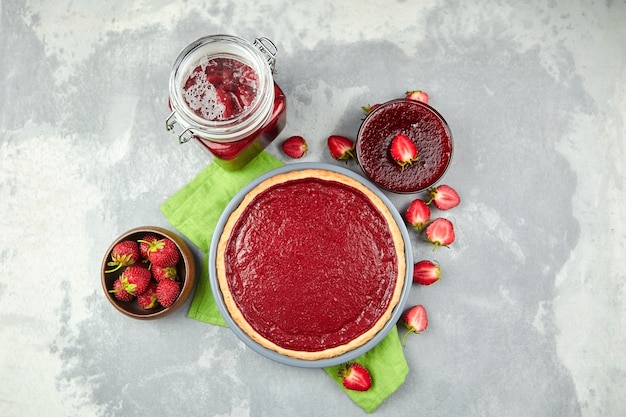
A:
186, 271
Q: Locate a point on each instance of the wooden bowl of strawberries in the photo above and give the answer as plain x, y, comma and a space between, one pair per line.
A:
148, 272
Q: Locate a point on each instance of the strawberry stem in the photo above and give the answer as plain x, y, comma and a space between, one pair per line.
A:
119, 265
404, 337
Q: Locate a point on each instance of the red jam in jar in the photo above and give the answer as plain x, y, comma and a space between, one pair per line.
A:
220, 88
222, 94
424, 126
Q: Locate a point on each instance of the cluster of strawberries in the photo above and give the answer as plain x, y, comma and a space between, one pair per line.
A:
149, 272
439, 232
341, 148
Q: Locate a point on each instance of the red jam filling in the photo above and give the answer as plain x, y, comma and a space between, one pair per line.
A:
423, 126
220, 88
311, 264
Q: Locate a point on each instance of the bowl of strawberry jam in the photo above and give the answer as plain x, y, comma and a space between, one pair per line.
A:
222, 95
424, 126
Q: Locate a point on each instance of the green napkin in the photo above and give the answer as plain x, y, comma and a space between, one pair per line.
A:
194, 211
388, 368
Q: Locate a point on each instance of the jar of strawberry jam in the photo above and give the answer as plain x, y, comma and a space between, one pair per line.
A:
222, 94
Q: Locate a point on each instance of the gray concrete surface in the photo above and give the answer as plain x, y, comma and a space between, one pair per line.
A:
529, 318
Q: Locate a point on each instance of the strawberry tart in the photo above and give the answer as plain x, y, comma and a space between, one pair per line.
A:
310, 264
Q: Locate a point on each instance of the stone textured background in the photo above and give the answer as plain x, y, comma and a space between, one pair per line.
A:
529, 318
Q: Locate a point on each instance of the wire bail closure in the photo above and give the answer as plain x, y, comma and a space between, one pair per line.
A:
267, 48
183, 137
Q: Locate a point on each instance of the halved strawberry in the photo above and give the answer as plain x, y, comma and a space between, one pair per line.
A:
125, 253
295, 147
341, 148
417, 95
444, 197
418, 214
355, 376
403, 150
415, 320
426, 272
440, 232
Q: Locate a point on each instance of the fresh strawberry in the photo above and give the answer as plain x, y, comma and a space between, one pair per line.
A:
341, 148
167, 292
426, 272
418, 214
148, 299
123, 254
295, 147
440, 232
369, 108
417, 95
144, 244
415, 320
162, 252
444, 197
135, 279
119, 292
160, 273
403, 150
355, 376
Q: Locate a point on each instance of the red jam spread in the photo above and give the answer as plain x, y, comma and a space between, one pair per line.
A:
311, 264
424, 126
220, 88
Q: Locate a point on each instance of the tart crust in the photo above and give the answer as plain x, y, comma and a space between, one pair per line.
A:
397, 281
